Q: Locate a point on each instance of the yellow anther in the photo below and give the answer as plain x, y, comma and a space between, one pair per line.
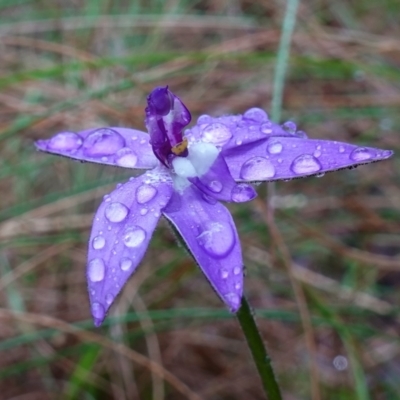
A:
180, 147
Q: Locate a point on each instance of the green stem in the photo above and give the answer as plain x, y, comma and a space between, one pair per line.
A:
258, 351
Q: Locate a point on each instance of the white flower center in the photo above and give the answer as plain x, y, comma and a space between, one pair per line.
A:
200, 159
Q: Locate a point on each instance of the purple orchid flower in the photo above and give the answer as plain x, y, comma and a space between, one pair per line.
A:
188, 174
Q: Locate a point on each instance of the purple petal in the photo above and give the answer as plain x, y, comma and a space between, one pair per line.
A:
122, 228
233, 131
210, 234
218, 183
120, 147
287, 158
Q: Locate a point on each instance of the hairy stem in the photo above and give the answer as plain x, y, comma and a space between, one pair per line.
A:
258, 351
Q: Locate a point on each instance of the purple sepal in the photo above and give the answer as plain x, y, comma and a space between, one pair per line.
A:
281, 158
234, 131
166, 116
122, 228
122, 147
218, 183
210, 234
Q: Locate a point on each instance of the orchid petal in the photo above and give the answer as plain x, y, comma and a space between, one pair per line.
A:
122, 147
289, 158
218, 183
122, 228
210, 234
234, 131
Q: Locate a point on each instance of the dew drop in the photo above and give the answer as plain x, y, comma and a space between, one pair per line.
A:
301, 135
266, 127
96, 270
204, 119
274, 147
341, 149
134, 236
360, 154
257, 168
116, 212
305, 164
98, 312
289, 127
143, 211
66, 141
103, 142
317, 152
126, 158
255, 114
215, 186
238, 142
242, 192
224, 274
125, 264
236, 270
145, 193
98, 242
238, 286
233, 300
109, 298
217, 239
216, 133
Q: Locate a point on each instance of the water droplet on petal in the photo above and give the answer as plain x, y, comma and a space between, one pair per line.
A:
386, 153
341, 149
360, 154
134, 236
126, 158
98, 312
305, 164
109, 298
145, 193
289, 127
96, 270
143, 211
215, 186
257, 168
242, 193
116, 212
266, 127
98, 242
238, 142
217, 239
224, 274
204, 119
236, 270
274, 147
317, 153
234, 300
66, 141
301, 135
255, 114
103, 142
125, 264
216, 133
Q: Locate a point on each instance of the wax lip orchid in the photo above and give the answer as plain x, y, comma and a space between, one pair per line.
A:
189, 173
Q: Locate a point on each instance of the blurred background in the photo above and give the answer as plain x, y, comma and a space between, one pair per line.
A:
323, 275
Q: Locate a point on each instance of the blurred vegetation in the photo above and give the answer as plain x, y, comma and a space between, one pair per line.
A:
70, 65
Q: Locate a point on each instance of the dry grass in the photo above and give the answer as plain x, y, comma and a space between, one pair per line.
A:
69, 66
